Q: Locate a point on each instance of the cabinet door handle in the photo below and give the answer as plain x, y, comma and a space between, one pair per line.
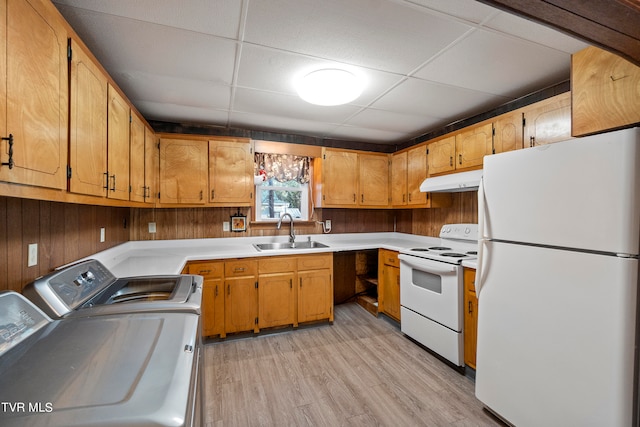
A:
290, 283
238, 269
10, 144
106, 180
362, 198
460, 158
532, 141
113, 178
450, 160
216, 294
354, 197
213, 194
409, 196
404, 198
470, 308
204, 271
201, 194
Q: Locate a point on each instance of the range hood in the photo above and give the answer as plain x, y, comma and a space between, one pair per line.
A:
452, 183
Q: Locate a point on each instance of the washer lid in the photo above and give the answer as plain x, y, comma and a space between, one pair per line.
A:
132, 370
19, 319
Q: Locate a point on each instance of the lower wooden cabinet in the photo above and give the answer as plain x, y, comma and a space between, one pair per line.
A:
212, 295
470, 318
248, 294
276, 292
389, 283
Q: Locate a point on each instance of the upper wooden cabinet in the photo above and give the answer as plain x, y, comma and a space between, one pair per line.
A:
508, 132
336, 178
345, 178
605, 91
151, 165
119, 116
408, 170
88, 124
399, 179
472, 144
143, 163
442, 154
416, 173
183, 171
33, 94
548, 121
231, 171
373, 180
463, 150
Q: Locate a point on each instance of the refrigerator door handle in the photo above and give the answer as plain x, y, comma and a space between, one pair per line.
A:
481, 235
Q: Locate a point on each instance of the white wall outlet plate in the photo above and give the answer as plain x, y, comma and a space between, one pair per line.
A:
226, 226
33, 255
327, 224
152, 227
102, 234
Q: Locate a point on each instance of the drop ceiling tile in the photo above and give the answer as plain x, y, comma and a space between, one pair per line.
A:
274, 70
155, 49
468, 10
365, 135
489, 62
276, 104
528, 30
174, 90
391, 121
389, 36
275, 123
181, 113
420, 97
220, 17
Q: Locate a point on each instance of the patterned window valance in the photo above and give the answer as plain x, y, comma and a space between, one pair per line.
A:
283, 167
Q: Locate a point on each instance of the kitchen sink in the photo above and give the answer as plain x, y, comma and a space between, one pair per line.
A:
309, 244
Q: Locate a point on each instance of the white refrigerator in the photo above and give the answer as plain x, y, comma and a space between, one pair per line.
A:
557, 283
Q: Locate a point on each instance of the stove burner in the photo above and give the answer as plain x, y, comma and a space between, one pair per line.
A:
472, 252
420, 249
453, 255
440, 248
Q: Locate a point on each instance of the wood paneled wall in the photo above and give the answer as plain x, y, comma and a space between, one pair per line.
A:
464, 209
67, 232
64, 233
200, 223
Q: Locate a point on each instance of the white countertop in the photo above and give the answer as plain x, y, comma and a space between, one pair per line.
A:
169, 256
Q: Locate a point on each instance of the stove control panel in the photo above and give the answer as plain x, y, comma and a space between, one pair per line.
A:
459, 231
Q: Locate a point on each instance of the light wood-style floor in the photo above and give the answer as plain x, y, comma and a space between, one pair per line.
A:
360, 371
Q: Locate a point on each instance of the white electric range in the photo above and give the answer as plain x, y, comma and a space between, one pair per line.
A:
431, 290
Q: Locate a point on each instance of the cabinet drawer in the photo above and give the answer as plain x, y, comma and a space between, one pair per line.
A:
389, 258
206, 269
277, 264
241, 267
315, 262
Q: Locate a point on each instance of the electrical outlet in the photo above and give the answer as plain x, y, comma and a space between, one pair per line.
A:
327, 224
152, 227
226, 226
33, 255
102, 234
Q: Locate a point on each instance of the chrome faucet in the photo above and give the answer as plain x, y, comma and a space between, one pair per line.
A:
292, 233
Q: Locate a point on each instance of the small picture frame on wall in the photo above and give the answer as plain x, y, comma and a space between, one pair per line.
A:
238, 222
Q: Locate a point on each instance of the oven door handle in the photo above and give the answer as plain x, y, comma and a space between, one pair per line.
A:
427, 265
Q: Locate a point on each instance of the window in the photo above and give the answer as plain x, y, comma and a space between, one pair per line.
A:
284, 188
275, 198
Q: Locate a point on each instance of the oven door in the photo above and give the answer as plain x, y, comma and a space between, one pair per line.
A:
432, 289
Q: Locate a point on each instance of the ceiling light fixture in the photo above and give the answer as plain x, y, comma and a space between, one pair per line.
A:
330, 86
